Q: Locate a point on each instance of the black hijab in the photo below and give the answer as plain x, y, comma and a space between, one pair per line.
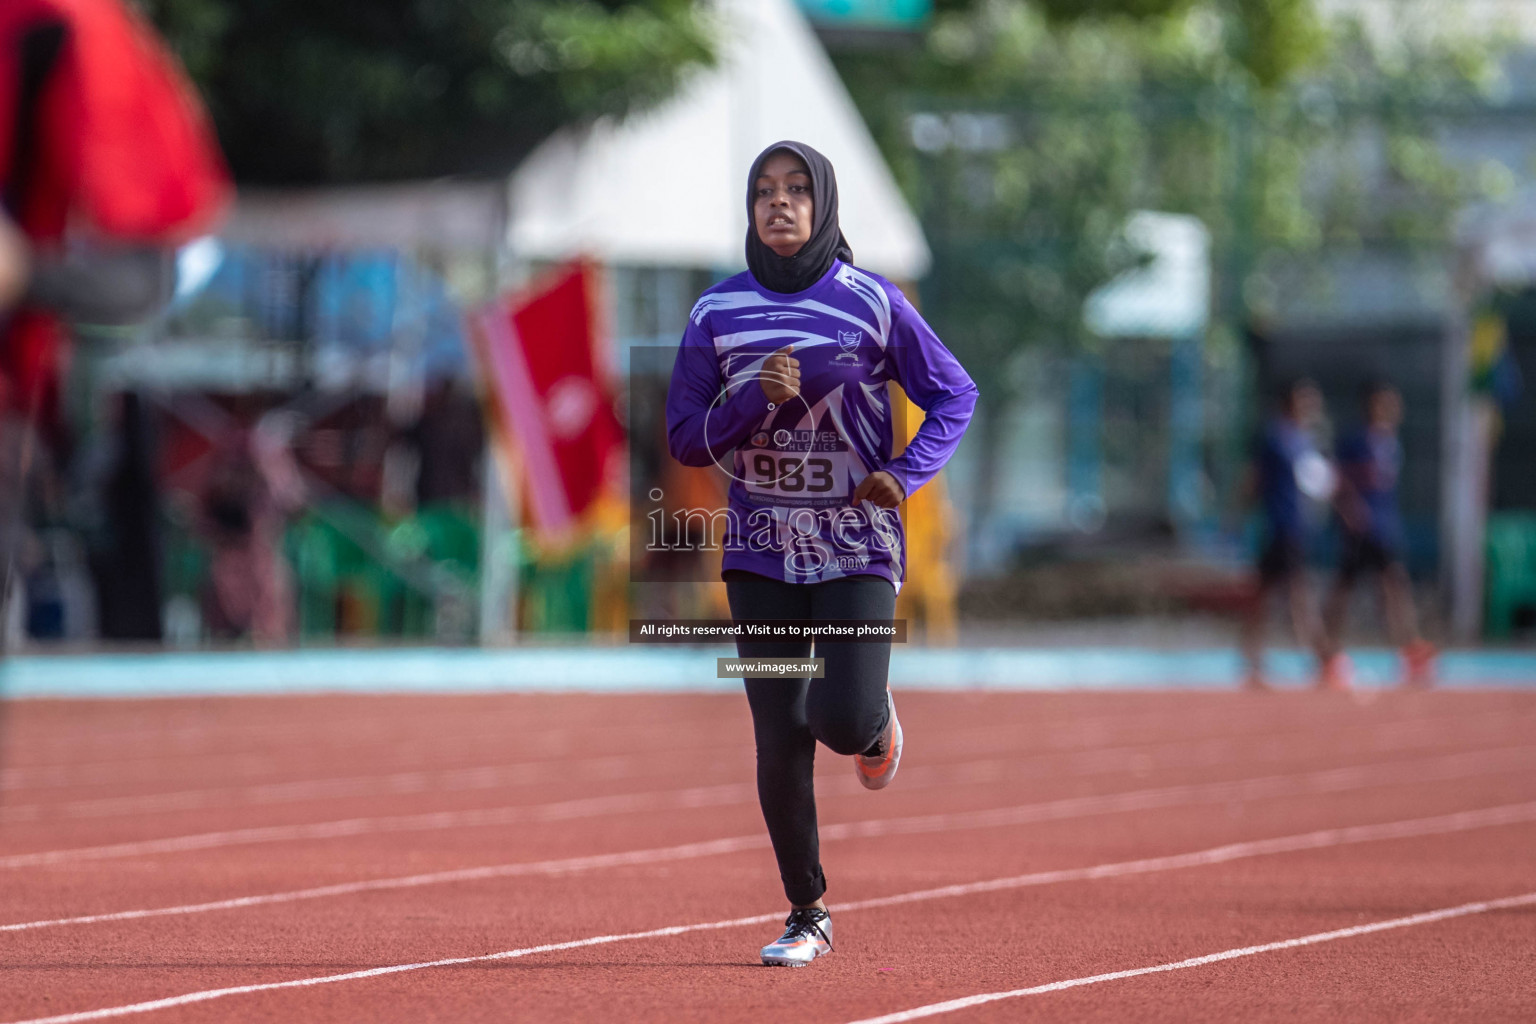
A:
798, 272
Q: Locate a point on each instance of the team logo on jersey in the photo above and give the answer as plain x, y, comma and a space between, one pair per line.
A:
849, 342
760, 439
781, 438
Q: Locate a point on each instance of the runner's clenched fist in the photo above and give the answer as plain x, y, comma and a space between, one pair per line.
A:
881, 488
781, 376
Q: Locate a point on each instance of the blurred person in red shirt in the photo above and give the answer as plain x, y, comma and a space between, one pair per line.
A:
107, 162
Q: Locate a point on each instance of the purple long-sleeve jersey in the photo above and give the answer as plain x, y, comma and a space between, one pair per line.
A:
794, 467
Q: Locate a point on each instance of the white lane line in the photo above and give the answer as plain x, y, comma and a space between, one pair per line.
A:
1140, 757
561, 745
1442, 824
1075, 743
1427, 917
1053, 810
1082, 733
1074, 734
550, 738
564, 810
1329, 780
450, 780
567, 865
375, 972
1333, 780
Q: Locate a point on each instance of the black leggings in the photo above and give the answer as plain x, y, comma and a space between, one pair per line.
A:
846, 709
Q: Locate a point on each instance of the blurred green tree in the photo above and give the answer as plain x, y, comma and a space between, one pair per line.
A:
356, 90
1026, 131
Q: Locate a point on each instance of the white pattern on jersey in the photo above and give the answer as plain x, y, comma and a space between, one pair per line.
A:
727, 302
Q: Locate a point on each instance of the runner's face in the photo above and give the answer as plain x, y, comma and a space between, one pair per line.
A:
782, 206
1307, 405
1386, 410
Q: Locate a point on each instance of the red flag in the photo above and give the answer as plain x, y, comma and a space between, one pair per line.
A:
540, 352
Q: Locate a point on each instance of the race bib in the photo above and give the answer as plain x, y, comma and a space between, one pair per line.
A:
798, 467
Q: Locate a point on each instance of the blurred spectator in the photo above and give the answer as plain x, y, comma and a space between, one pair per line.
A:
36, 505
251, 489
106, 163
450, 439
125, 557
1288, 471
1371, 532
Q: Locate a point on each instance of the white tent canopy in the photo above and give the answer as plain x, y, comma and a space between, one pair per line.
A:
447, 215
1169, 297
668, 187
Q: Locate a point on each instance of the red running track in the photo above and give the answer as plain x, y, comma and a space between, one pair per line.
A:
1071, 856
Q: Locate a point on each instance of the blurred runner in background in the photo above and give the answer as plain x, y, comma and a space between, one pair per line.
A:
1288, 472
1371, 532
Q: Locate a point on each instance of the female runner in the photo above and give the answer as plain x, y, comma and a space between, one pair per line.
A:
780, 382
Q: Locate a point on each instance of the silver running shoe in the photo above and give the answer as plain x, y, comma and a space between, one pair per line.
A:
807, 935
876, 772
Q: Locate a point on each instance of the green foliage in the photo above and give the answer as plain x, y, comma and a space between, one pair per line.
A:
345, 90
1273, 39
1039, 125
1071, 10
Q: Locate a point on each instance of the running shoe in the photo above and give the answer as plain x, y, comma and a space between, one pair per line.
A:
807, 935
1337, 673
877, 770
1254, 682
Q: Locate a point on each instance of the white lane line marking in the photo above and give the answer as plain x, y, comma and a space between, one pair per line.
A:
1333, 780
1328, 780
587, 807
1080, 734
1076, 734
556, 742
1139, 757
628, 858
735, 844
1442, 824
375, 972
396, 783
1427, 917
